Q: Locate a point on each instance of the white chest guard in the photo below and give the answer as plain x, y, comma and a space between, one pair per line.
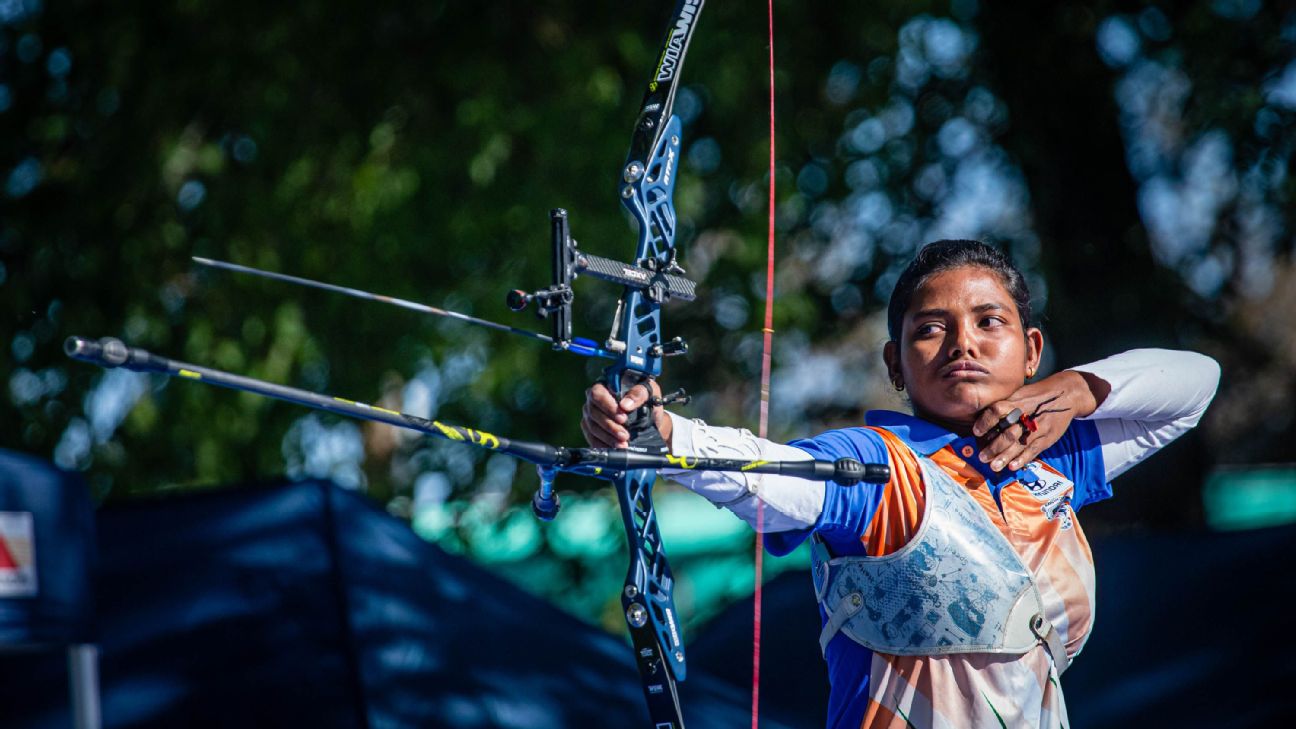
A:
958, 586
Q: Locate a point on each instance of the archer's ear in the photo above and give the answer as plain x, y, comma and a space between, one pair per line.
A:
891, 357
1034, 348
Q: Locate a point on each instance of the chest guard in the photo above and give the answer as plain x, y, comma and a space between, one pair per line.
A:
957, 586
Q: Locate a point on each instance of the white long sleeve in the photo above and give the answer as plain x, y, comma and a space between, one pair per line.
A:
1156, 396
790, 503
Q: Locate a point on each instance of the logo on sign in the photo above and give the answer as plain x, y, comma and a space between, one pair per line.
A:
17, 554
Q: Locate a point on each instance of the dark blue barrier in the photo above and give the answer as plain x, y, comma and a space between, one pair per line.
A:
47, 547
304, 605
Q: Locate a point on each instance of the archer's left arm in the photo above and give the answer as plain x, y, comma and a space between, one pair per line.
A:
789, 503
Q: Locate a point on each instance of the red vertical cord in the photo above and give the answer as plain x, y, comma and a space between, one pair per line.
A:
768, 332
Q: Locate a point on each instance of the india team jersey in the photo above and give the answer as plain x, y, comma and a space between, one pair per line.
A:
1034, 508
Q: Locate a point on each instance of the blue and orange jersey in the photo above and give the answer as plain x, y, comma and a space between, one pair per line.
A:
1035, 510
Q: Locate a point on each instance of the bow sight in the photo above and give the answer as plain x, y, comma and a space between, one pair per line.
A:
657, 283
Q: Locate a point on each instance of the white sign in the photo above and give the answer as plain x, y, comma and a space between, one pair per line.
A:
17, 554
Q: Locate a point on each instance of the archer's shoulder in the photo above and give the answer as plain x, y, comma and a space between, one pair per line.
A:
863, 442
1081, 437
1078, 456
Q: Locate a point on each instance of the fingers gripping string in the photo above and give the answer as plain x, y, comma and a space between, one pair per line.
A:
768, 332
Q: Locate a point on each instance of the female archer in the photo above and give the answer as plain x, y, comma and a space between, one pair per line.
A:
956, 594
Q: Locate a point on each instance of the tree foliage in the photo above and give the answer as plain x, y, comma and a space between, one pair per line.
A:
414, 150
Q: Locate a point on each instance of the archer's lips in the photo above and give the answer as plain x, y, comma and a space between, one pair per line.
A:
963, 370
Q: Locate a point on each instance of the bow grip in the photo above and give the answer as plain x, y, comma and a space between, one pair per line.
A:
644, 435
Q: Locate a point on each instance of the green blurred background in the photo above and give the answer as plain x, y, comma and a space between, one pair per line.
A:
1133, 158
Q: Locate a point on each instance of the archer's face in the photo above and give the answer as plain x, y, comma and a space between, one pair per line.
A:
963, 345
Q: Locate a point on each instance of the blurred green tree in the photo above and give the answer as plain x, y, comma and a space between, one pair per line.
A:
1131, 156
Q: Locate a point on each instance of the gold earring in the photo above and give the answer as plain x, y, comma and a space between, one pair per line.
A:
1030, 372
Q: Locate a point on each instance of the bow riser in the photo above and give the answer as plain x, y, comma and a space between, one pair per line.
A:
647, 191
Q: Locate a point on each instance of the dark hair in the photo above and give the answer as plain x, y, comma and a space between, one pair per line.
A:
944, 255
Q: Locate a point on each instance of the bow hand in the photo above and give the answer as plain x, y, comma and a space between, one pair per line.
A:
606, 420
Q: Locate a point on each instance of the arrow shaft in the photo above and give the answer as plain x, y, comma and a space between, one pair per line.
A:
597, 462
367, 296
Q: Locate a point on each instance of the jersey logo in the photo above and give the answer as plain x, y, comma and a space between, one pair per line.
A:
1044, 483
1060, 509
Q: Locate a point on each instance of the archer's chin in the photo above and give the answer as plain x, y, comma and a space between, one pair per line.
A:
964, 400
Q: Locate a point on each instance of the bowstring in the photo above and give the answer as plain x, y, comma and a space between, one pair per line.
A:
768, 336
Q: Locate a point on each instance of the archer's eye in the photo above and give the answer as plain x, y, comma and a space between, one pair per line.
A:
926, 330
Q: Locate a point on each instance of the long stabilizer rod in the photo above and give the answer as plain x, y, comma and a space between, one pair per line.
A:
597, 462
357, 293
